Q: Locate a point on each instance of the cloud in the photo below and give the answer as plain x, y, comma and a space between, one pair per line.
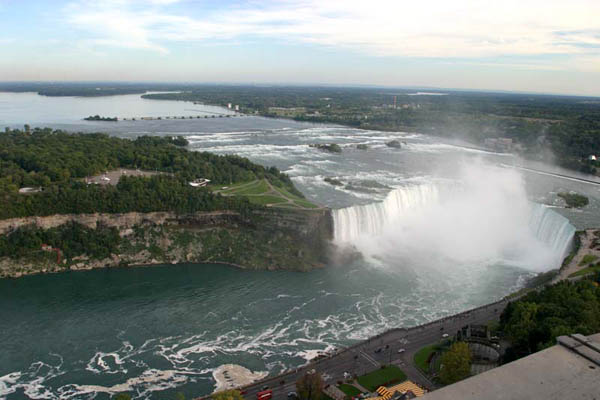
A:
431, 29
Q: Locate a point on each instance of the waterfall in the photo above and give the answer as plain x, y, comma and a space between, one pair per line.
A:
552, 229
369, 219
465, 221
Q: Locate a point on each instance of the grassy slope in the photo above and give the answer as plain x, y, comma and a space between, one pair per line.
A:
588, 270
389, 374
350, 390
422, 356
259, 192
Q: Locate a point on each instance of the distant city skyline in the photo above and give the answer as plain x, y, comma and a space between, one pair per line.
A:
528, 46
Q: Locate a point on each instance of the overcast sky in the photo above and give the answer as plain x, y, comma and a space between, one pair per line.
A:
550, 46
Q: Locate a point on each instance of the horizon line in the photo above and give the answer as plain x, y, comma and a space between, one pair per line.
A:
306, 85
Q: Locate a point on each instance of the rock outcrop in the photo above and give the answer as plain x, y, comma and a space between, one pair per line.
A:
274, 238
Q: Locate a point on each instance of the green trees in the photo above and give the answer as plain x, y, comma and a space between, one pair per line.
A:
72, 239
99, 118
533, 322
180, 141
310, 386
58, 162
456, 363
227, 395
575, 200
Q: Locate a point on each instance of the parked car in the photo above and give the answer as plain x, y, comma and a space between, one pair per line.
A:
292, 395
400, 351
445, 335
379, 350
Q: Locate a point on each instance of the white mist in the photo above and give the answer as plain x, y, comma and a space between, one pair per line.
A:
482, 218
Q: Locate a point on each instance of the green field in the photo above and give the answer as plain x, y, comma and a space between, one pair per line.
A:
380, 377
350, 390
266, 200
587, 259
262, 192
422, 356
588, 270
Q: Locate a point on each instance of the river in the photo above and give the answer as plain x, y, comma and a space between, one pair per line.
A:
442, 228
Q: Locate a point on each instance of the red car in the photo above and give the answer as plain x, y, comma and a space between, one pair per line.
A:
264, 395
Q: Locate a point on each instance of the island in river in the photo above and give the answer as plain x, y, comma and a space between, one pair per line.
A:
248, 216
99, 118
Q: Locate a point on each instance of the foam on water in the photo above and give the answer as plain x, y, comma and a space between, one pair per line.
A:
231, 376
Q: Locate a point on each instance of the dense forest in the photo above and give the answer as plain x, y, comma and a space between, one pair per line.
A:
57, 162
72, 239
533, 322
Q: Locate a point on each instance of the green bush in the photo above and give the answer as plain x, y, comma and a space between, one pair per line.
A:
574, 200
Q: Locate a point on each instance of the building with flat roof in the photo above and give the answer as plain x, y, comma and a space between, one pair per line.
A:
568, 370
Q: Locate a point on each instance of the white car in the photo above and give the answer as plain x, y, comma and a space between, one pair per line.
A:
445, 335
400, 351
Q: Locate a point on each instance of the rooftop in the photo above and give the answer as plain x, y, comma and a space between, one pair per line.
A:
568, 370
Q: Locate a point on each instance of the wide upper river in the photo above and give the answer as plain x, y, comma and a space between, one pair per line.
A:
442, 227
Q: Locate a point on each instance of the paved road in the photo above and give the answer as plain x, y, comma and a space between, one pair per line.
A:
362, 358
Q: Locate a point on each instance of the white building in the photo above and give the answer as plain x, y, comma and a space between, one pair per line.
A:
201, 182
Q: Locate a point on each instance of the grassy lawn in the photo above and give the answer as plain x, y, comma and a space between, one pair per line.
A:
298, 200
350, 390
588, 258
305, 204
587, 270
230, 188
422, 356
259, 192
266, 199
257, 188
383, 376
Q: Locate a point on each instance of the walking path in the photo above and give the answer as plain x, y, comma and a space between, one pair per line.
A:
587, 246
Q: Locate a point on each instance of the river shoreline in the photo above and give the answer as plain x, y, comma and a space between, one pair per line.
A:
334, 364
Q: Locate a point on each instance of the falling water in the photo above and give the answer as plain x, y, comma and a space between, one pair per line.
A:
405, 207
369, 219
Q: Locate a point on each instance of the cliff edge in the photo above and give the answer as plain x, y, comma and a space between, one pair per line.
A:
271, 238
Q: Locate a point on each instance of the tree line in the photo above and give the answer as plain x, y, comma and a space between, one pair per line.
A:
72, 239
57, 162
533, 322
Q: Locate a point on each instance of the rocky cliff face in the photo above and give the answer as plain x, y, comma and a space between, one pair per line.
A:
268, 239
